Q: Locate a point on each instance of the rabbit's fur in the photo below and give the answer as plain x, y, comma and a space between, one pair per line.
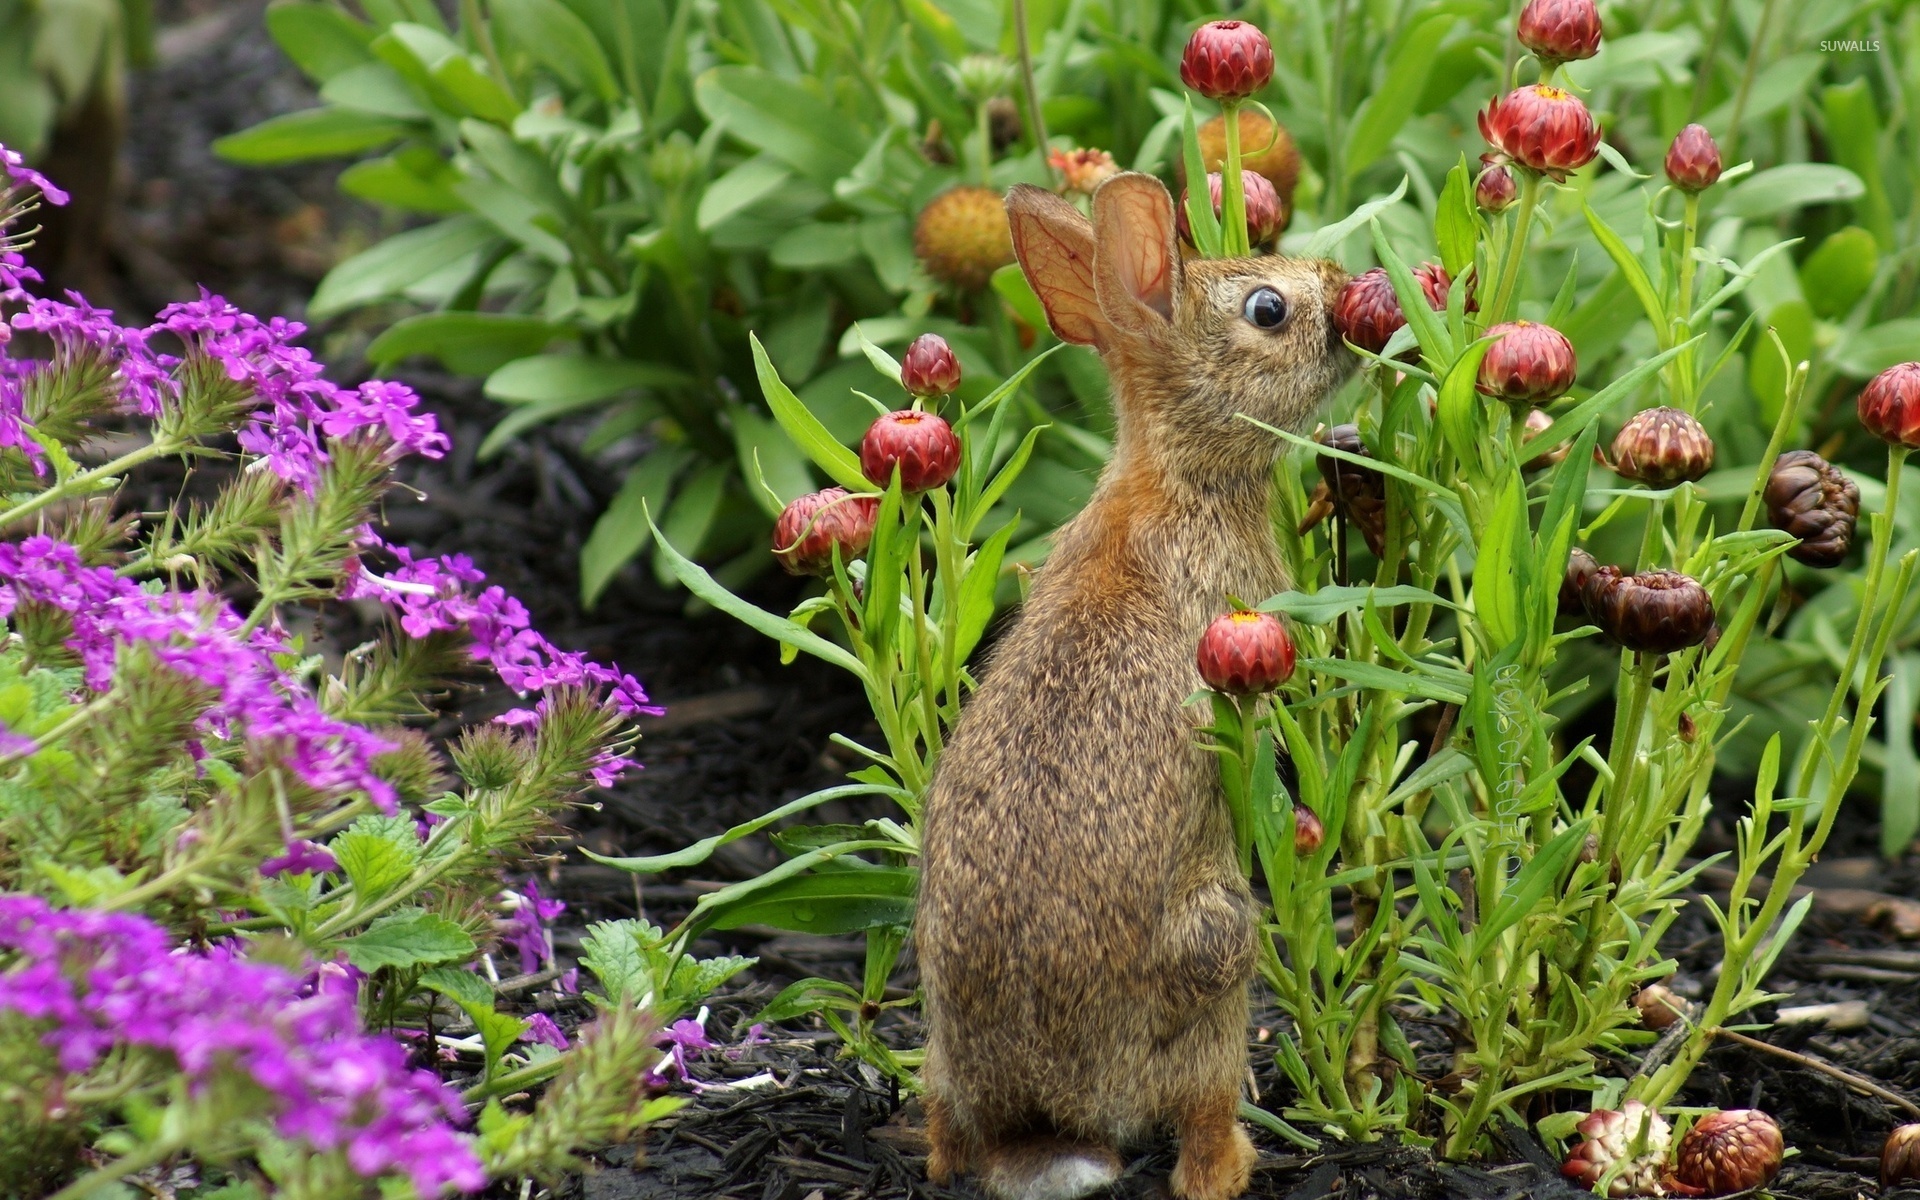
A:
1085, 935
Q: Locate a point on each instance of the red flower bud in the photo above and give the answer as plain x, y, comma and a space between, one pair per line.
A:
1730, 1151
1263, 207
929, 368
1543, 128
1531, 363
1661, 447
1900, 1156
1559, 31
810, 527
1368, 312
921, 444
1890, 405
1495, 190
1693, 160
1244, 652
1227, 60
1655, 612
1308, 833
1811, 500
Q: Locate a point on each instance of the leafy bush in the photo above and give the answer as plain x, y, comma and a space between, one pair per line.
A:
239, 895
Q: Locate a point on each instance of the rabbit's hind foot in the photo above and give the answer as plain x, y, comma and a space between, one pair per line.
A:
1046, 1168
1216, 1156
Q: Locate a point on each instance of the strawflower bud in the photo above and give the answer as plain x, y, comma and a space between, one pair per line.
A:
1808, 498
1359, 493
1227, 60
808, 530
1693, 160
1654, 612
1661, 447
1733, 1150
1658, 1006
1083, 170
1580, 568
1495, 191
1367, 312
1263, 207
1266, 148
1890, 405
1559, 31
1900, 1156
1636, 1138
1245, 652
963, 237
928, 368
1308, 833
1530, 363
920, 444
1543, 128
1538, 422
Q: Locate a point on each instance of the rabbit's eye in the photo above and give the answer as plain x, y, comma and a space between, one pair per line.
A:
1266, 308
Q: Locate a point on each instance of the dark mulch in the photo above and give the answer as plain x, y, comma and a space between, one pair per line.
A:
790, 1119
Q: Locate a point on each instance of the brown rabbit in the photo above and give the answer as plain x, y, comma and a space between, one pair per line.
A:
1085, 935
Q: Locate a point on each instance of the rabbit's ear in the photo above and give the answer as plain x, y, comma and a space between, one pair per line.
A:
1054, 243
1136, 257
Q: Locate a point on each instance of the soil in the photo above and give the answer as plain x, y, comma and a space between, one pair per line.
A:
743, 733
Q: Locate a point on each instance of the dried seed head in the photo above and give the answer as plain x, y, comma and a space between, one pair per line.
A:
1245, 652
963, 237
1359, 493
1635, 1138
1530, 363
1890, 405
1693, 160
1655, 612
1559, 31
1730, 1151
1543, 128
1661, 447
1308, 833
1263, 207
1808, 498
1900, 1156
1227, 60
1658, 1006
1266, 148
1580, 567
920, 444
808, 530
1003, 123
929, 368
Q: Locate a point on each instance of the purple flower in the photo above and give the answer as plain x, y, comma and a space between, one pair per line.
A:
97, 980
14, 426
541, 1030
301, 858
526, 929
19, 174
678, 1039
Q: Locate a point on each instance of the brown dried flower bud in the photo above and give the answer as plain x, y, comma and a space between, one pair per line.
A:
1890, 405
1559, 31
1900, 1156
1635, 1138
1580, 568
1245, 652
1658, 1006
1655, 612
1308, 833
1693, 160
962, 236
1359, 493
1661, 447
1733, 1150
1810, 499
1266, 148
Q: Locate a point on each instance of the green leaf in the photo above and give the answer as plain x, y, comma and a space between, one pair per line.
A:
1900, 776
1573, 422
1385, 679
809, 996
1531, 885
700, 851
466, 343
831, 902
1390, 103
1456, 225
398, 263
464, 988
1869, 351
691, 515
321, 39
622, 531
976, 592
1839, 272
840, 463
326, 132
769, 461
550, 32
782, 118
779, 628
1501, 571
546, 378
816, 245
615, 952
412, 938
1010, 283
1202, 222
376, 88
1853, 134
1794, 186
1633, 271
1327, 239
740, 189
1330, 603
375, 865
1436, 343
1460, 411
413, 178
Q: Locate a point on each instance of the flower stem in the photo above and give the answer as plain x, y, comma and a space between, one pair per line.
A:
1233, 195
84, 481
1036, 120
1746, 78
1516, 249
127, 1164
1682, 379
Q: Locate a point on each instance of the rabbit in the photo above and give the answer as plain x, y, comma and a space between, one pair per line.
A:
1085, 936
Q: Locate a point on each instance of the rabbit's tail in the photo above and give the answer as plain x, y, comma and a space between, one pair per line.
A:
1046, 1168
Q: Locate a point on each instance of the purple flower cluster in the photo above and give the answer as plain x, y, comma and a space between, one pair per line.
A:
683, 1037
526, 926
199, 635
99, 980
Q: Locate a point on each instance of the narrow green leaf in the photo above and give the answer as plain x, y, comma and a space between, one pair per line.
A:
1634, 273
840, 463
